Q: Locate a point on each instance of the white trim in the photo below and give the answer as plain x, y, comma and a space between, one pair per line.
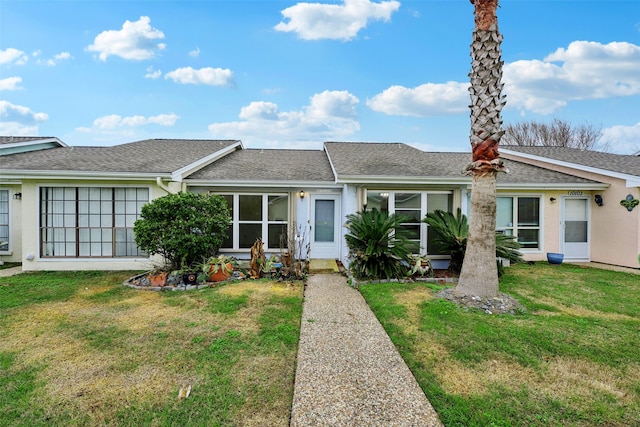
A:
631, 180
187, 170
333, 169
260, 184
69, 175
32, 142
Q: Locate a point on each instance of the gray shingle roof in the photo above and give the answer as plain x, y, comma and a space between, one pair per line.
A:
269, 165
147, 156
400, 160
627, 164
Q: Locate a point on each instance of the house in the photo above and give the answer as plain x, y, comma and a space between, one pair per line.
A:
73, 208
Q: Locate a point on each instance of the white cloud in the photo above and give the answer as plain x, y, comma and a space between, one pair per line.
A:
584, 70
136, 40
12, 55
52, 62
195, 53
329, 115
10, 83
116, 121
429, 99
203, 76
315, 21
152, 74
19, 120
622, 139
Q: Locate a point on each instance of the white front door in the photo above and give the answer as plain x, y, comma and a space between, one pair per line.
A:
575, 228
325, 226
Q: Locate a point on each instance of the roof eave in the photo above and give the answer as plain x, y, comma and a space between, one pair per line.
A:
372, 179
619, 175
552, 186
28, 174
260, 184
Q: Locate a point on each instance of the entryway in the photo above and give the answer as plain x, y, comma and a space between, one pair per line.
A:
325, 226
575, 228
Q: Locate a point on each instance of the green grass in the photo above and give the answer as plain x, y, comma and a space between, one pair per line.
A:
571, 360
79, 348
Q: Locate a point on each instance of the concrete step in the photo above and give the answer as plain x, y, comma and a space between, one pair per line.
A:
321, 266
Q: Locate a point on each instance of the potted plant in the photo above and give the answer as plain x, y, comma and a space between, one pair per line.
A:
267, 266
218, 268
158, 277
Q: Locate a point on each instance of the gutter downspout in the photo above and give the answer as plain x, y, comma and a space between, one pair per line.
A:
164, 187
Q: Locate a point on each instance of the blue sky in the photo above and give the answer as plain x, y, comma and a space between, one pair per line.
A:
281, 74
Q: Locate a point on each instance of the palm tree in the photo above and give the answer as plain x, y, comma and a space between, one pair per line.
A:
479, 275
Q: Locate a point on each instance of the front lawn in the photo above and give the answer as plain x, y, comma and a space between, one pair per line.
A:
572, 359
79, 348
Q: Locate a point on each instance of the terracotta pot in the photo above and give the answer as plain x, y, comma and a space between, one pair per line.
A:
221, 274
158, 279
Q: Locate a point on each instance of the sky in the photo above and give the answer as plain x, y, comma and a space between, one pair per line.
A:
286, 74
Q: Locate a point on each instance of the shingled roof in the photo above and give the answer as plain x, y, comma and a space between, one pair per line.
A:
255, 165
397, 160
158, 156
626, 164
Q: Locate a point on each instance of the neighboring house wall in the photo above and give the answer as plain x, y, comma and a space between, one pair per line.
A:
614, 231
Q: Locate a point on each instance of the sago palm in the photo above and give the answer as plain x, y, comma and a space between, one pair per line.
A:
377, 245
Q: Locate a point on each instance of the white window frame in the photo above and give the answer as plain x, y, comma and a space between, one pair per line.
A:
514, 227
264, 221
423, 212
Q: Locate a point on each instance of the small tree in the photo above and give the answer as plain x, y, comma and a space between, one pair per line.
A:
184, 228
377, 245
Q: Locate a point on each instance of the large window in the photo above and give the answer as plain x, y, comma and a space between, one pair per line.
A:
414, 206
255, 216
519, 216
4, 220
90, 221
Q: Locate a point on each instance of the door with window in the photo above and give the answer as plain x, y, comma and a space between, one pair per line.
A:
575, 228
325, 226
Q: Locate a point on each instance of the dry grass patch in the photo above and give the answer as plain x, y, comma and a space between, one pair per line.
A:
104, 351
570, 360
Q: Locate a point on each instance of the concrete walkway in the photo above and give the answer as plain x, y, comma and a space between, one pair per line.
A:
348, 371
10, 271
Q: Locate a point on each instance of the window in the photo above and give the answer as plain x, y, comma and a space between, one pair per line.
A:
90, 221
415, 206
257, 215
4, 220
526, 212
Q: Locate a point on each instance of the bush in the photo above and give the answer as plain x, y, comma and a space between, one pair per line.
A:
452, 233
184, 228
378, 245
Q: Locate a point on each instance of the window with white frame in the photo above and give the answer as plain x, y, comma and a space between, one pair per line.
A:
4, 220
415, 206
519, 216
90, 221
264, 216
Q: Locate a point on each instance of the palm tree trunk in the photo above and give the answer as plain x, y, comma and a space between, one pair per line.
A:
479, 275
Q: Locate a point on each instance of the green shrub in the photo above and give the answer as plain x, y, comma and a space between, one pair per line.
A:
184, 228
378, 245
452, 233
